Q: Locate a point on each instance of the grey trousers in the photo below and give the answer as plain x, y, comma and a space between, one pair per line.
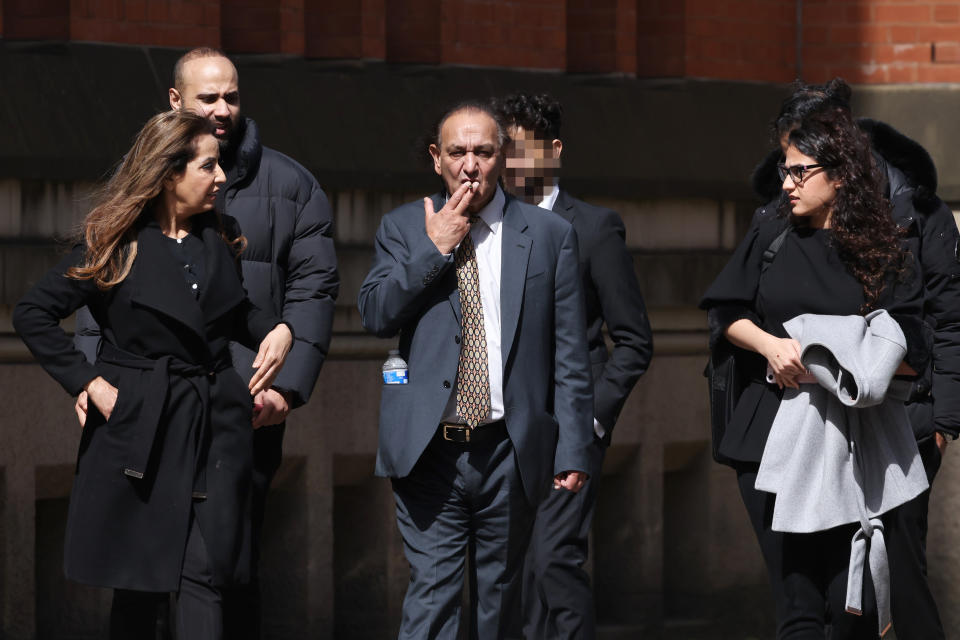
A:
464, 499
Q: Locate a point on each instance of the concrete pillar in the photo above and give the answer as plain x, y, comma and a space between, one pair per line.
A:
19, 516
320, 540
628, 556
943, 553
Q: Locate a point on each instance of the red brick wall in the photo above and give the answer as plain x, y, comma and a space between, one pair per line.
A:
36, 19
519, 33
661, 38
873, 41
864, 41
882, 41
262, 26
413, 31
175, 23
602, 35
740, 39
345, 28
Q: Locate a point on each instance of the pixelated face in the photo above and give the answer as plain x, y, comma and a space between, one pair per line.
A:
532, 164
210, 89
469, 152
811, 197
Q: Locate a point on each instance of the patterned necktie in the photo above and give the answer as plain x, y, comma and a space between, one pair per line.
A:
473, 382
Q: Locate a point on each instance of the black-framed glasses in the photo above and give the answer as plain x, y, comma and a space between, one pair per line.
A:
797, 171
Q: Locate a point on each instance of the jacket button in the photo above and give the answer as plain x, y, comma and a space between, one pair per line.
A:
456, 339
446, 384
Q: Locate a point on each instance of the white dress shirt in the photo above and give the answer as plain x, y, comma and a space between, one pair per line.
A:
487, 240
550, 199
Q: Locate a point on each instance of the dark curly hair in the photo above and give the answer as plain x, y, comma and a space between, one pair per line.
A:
863, 230
540, 113
807, 99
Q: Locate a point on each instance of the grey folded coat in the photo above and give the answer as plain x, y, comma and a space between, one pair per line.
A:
843, 450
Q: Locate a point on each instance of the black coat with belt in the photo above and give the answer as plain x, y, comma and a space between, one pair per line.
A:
179, 435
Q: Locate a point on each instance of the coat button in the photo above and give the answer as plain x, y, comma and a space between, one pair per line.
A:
456, 339
446, 384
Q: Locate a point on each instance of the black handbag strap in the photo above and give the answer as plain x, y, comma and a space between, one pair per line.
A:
771, 252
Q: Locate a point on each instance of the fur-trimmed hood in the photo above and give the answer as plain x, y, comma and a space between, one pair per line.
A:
906, 163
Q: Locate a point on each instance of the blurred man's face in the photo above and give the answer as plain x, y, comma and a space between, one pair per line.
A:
469, 152
210, 89
532, 164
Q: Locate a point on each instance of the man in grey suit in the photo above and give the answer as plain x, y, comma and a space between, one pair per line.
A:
484, 292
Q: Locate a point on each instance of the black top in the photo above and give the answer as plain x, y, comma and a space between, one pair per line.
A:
805, 276
188, 252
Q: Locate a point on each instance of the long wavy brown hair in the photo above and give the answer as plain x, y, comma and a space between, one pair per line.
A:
125, 203
864, 232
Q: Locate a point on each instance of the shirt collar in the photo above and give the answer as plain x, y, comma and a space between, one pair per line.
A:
492, 214
550, 197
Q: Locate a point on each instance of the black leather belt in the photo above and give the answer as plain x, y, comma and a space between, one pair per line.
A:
482, 434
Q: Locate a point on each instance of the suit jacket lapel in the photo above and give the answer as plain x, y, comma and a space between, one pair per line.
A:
514, 256
159, 284
564, 206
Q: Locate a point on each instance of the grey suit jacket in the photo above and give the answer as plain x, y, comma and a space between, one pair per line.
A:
411, 290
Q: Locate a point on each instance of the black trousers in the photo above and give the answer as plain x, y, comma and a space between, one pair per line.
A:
914, 610
241, 605
141, 615
808, 572
557, 597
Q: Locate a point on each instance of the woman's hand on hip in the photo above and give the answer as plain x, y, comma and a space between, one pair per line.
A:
270, 358
81, 408
102, 394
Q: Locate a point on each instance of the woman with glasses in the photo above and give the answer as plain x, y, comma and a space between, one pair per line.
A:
160, 499
837, 252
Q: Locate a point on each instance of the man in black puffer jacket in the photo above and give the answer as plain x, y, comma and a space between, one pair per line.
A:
289, 267
934, 409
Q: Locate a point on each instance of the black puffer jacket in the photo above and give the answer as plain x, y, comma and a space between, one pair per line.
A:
289, 264
932, 232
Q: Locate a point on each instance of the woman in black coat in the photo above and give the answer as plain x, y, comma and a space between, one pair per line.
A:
841, 254
160, 501
928, 226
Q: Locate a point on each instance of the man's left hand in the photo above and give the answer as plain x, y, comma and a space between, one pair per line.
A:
570, 480
273, 408
942, 443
